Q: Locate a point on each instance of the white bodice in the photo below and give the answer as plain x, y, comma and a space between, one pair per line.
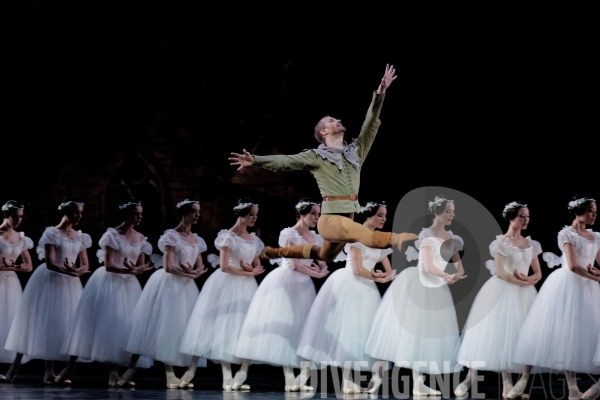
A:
12, 251
290, 237
64, 247
517, 259
123, 249
585, 249
241, 249
184, 251
370, 256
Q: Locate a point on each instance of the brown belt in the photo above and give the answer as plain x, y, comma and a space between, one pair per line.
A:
332, 198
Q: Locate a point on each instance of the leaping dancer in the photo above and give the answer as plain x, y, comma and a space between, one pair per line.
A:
336, 167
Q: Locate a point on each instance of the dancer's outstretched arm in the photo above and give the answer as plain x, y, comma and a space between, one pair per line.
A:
278, 162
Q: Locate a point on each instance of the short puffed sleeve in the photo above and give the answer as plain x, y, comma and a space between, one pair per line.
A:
385, 253
146, 246
86, 240
202, 247
428, 242
50, 236
596, 236
498, 246
169, 238
566, 235
459, 243
425, 233
317, 239
109, 239
28, 243
536, 247
260, 246
288, 237
357, 245
225, 238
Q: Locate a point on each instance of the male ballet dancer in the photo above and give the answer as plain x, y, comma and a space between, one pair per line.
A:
336, 167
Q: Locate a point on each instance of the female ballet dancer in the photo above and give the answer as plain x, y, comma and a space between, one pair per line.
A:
53, 291
416, 321
217, 319
102, 322
552, 336
166, 303
13, 245
502, 303
339, 321
280, 306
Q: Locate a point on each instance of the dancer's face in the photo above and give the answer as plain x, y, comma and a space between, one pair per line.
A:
589, 216
446, 216
193, 216
250, 219
16, 218
135, 217
312, 217
378, 220
333, 126
521, 221
76, 215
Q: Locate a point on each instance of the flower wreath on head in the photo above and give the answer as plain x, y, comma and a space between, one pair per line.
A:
7, 207
577, 203
369, 206
437, 202
512, 205
68, 203
130, 203
303, 204
186, 201
243, 206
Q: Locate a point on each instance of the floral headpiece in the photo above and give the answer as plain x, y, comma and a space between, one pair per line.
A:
131, 203
68, 203
437, 202
511, 206
369, 206
577, 203
303, 204
184, 202
242, 206
8, 206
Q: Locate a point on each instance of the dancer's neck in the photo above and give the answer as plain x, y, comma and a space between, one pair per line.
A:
438, 228
301, 227
369, 225
6, 227
513, 233
125, 228
240, 228
184, 227
335, 141
578, 226
65, 225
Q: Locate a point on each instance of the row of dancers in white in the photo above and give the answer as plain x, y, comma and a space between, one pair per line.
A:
283, 321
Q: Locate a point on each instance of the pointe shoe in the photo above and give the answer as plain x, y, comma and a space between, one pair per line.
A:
185, 380
173, 383
227, 385
125, 379
2, 377
238, 381
506, 388
426, 391
592, 393
518, 389
574, 393
374, 384
399, 238
353, 388
462, 388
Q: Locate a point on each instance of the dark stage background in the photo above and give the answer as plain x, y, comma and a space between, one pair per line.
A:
106, 101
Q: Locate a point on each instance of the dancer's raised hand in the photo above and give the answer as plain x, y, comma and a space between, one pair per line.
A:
243, 160
388, 77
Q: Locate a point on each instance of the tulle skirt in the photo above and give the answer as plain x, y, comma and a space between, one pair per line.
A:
218, 316
416, 326
561, 329
339, 322
44, 315
493, 326
102, 322
275, 318
160, 318
10, 296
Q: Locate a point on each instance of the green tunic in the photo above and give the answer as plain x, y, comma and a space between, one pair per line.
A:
341, 178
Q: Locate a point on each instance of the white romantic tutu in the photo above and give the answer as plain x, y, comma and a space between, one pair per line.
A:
275, 318
44, 315
217, 319
103, 319
493, 326
561, 325
10, 296
415, 326
339, 322
160, 318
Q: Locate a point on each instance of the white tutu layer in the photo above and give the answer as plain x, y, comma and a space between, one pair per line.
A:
44, 314
493, 326
160, 318
562, 326
218, 316
103, 319
275, 318
339, 322
415, 326
10, 296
